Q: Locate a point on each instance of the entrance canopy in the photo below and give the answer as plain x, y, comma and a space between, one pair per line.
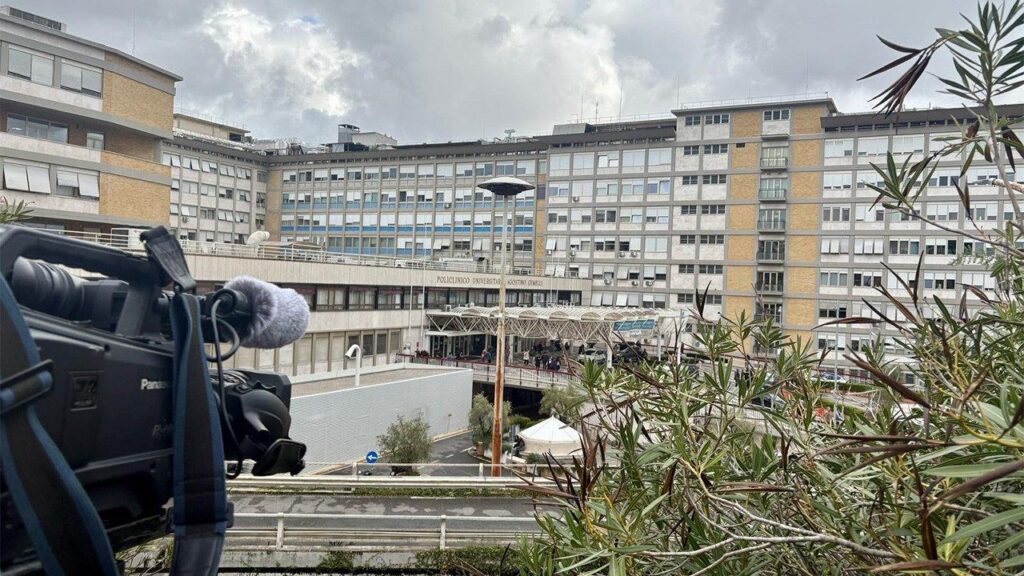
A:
577, 323
551, 436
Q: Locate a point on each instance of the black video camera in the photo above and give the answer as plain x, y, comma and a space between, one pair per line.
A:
110, 349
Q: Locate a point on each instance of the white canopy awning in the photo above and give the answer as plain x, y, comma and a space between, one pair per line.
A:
552, 436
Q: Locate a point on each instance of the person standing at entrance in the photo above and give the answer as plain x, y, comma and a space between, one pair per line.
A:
526, 357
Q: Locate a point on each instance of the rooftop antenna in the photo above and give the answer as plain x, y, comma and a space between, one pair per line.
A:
679, 99
508, 133
133, 29
596, 116
581, 103
620, 103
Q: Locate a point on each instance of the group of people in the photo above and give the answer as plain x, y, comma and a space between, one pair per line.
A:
541, 356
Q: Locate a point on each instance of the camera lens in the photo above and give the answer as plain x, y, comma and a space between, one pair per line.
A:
46, 288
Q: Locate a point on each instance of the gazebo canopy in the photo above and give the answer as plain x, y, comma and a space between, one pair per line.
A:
581, 323
551, 436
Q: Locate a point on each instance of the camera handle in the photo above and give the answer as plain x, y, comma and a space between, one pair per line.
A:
66, 532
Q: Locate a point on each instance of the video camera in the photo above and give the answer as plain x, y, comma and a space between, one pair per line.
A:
109, 347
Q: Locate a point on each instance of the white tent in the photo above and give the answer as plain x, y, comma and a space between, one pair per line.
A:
551, 435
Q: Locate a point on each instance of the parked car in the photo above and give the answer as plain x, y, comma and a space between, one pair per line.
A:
831, 378
594, 355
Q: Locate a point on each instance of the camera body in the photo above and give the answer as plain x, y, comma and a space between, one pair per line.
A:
110, 410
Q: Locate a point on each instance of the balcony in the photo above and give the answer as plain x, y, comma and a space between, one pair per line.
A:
765, 316
772, 256
774, 163
772, 194
769, 287
773, 225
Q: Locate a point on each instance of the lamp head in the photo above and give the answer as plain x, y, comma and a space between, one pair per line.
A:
506, 186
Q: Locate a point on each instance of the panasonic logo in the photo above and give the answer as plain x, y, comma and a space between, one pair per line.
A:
155, 384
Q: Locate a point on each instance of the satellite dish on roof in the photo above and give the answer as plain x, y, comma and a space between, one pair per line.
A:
257, 237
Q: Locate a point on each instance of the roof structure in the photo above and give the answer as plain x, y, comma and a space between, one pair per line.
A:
578, 323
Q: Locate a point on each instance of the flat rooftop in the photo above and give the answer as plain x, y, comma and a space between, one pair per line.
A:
311, 384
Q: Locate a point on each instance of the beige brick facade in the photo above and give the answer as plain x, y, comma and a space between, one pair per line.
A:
799, 312
805, 185
739, 278
803, 217
130, 143
747, 156
740, 248
733, 305
742, 217
746, 124
136, 101
743, 186
801, 280
806, 153
132, 163
807, 119
121, 196
802, 249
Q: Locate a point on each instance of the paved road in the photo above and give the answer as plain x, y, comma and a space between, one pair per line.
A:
451, 450
453, 507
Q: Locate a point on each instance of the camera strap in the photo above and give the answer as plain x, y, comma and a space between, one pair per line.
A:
66, 532
201, 514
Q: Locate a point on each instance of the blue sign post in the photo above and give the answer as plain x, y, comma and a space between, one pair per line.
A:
371, 457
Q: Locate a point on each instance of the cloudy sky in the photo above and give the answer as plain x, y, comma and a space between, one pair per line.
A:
439, 70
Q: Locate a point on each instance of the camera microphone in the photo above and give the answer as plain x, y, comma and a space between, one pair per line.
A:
277, 316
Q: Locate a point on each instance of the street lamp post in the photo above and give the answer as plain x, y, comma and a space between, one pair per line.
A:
505, 187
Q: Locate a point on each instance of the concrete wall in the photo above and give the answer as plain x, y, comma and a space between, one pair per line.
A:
343, 426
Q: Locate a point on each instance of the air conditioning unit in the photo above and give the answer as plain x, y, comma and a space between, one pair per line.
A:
648, 282
634, 253
447, 307
549, 252
635, 283
575, 198
447, 204
607, 281
622, 254
572, 253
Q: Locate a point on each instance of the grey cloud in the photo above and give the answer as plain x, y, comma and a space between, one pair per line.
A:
464, 69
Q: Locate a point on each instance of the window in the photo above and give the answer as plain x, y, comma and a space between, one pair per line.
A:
558, 162
685, 268
691, 121
981, 211
607, 188
776, 115
688, 210
943, 212
978, 248
691, 150
980, 280
868, 246
712, 209
319, 175
38, 128
659, 158
685, 298
207, 166
632, 187
716, 149
81, 78
94, 140
655, 246
840, 148
712, 239
558, 217
940, 280
528, 167
75, 183
661, 186
657, 215
687, 239
226, 193
484, 169
27, 177
913, 144
716, 119
838, 181
557, 190
583, 190
605, 215
835, 246
835, 214
714, 179
867, 279
633, 159
689, 180
905, 247
866, 213
208, 213
877, 146
631, 215
833, 278
940, 246
716, 269
444, 171
583, 162
832, 310
32, 66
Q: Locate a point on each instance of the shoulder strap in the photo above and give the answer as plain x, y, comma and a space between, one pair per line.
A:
201, 512
67, 533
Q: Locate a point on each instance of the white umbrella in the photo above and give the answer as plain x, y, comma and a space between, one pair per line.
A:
551, 436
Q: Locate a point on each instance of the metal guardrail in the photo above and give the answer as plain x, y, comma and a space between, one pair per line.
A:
520, 376
282, 531
131, 243
344, 482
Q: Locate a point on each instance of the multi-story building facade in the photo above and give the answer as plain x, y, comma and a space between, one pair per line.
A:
80, 128
218, 181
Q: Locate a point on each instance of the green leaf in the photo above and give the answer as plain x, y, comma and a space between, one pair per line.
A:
1008, 543
987, 524
966, 470
1014, 562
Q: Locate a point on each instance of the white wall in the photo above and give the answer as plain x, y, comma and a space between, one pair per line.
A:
343, 426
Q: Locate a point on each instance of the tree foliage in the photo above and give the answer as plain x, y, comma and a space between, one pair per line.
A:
11, 212
406, 441
702, 473
481, 418
563, 402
